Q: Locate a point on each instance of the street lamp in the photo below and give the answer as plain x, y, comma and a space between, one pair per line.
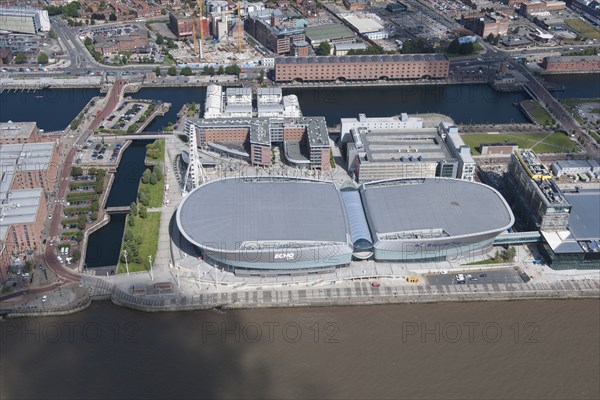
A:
126, 264
151, 271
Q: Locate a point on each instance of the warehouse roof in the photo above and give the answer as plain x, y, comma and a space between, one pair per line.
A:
236, 213
328, 32
450, 207
379, 58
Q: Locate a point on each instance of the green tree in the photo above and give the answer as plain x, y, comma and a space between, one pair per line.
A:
52, 35
94, 215
146, 176
133, 210
261, 76
221, 70
153, 179
324, 49
466, 48
81, 221
159, 39
172, 71
186, 71
95, 206
127, 236
99, 186
76, 171
42, 58
158, 172
131, 221
415, 46
102, 6
143, 212
453, 47
20, 58
88, 41
76, 255
490, 38
157, 71
233, 69
79, 236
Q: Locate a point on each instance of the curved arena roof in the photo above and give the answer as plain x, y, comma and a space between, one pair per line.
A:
236, 213
418, 208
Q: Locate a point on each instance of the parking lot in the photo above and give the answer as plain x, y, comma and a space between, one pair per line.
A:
126, 115
505, 276
98, 153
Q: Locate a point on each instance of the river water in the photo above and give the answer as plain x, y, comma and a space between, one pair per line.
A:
497, 350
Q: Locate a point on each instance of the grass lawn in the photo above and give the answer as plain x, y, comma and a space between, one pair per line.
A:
161, 155
583, 28
556, 142
147, 229
154, 192
540, 114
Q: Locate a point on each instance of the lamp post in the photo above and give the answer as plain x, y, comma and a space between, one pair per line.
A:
126, 264
151, 271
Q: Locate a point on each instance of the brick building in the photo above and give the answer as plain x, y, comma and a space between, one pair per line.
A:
26, 172
571, 64
364, 67
117, 44
18, 132
305, 139
181, 25
486, 24
266, 27
355, 4
6, 57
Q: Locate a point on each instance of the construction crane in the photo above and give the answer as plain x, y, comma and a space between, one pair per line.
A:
240, 31
194, 36
200, 15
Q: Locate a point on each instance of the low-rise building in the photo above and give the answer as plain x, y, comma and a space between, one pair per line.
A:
115, 44
342, 49
6, 56
353, 5
459, 150
332, 33
494, 149
18, 132
363, 67
576, 167
485, 24
571, 64
266, 27
24, 20
375, 151
182, 25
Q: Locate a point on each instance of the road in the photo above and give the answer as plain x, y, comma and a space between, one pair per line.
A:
505, 276
70, 144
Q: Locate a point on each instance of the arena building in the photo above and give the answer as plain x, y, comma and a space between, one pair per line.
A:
280, 225
414, 220
267, 224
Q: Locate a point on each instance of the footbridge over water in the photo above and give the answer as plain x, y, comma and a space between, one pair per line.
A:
118, 210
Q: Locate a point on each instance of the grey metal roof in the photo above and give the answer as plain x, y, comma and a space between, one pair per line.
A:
359, 228
229, 212
455, 206
584, 220
361, 58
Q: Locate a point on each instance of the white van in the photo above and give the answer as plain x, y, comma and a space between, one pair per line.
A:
460, 278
